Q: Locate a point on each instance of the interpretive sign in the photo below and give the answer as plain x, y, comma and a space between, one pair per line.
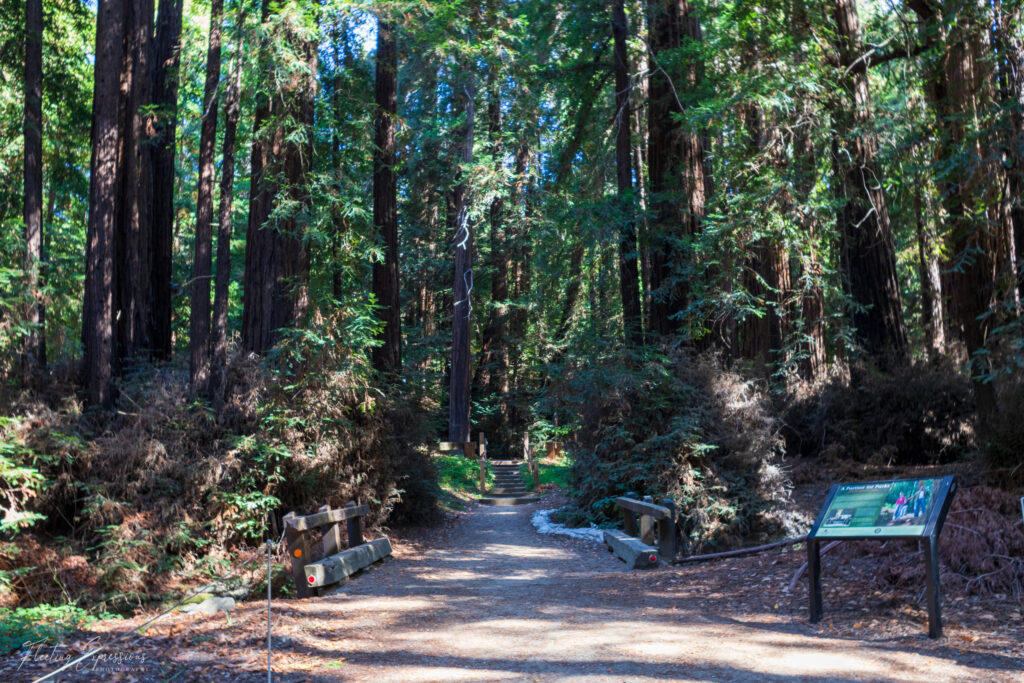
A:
905, 508
880, 508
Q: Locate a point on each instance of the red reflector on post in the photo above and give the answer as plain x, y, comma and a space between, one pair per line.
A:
312, 579
653, 559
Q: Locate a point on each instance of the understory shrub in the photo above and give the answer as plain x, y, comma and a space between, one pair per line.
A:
918, 414
679, 426
136, 502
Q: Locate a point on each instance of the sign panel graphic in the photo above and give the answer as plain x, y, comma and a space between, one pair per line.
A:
886, 508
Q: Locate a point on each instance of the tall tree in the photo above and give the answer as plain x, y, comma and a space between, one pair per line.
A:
166, 57
629, 275
492, 370
868, 257
132, 235
34, 345
462, 307
957, 89
98, 304
202, 265
680, 177
276, 281
219, 336
388, 356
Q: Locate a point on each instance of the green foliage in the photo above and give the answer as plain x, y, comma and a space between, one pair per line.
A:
459, 475
40, 625
557, 473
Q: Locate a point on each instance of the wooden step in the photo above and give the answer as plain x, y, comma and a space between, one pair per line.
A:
501, 501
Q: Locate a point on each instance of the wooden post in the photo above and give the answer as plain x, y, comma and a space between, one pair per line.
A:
355, 528
932, 592
482, 460
298, 555
332, 536
647, 525
667, 532
814, 577
629, 518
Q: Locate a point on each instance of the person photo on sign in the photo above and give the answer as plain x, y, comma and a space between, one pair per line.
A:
920, 499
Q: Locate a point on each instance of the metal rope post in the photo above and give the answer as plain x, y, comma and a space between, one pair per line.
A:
269, 546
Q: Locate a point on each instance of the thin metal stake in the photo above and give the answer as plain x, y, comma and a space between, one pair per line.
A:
269, 680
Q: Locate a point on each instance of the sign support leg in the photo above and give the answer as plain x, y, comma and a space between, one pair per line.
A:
814, 577
932, 590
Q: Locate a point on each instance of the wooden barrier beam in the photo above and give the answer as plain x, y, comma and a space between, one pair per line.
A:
346, 563
658, 512
307, 522
632, 551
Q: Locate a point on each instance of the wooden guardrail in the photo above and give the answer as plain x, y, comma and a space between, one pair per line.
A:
531, 461
644, 524
313, 568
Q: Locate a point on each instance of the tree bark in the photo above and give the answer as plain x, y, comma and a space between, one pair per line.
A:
98, 312
928, 274
1010, 48
868, 259
387, 357
276, 280
679, 174
222, 278
492, 371
202, 264
629, 274
166, 59
956, 89
458, 396
133, 233
34, 343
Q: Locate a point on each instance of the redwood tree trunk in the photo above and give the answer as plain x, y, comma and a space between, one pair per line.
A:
202, 264
868, 258
492, 371
165, 100
388, 356
276, 261
97, 308
956, 88
680, 178
133, 257
222, 279
458, 396
629, 274
34, 344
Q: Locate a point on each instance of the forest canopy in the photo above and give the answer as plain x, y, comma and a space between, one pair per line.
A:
259, 255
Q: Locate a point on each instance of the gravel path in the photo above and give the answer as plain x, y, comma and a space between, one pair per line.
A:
498, 601
489, 599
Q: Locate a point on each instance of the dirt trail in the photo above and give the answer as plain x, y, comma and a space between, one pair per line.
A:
490, 599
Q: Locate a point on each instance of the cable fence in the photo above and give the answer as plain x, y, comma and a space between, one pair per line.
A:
267, 548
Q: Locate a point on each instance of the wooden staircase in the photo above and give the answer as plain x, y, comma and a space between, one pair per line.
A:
508, 485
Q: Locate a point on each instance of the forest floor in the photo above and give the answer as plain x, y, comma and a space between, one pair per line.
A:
484, 597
